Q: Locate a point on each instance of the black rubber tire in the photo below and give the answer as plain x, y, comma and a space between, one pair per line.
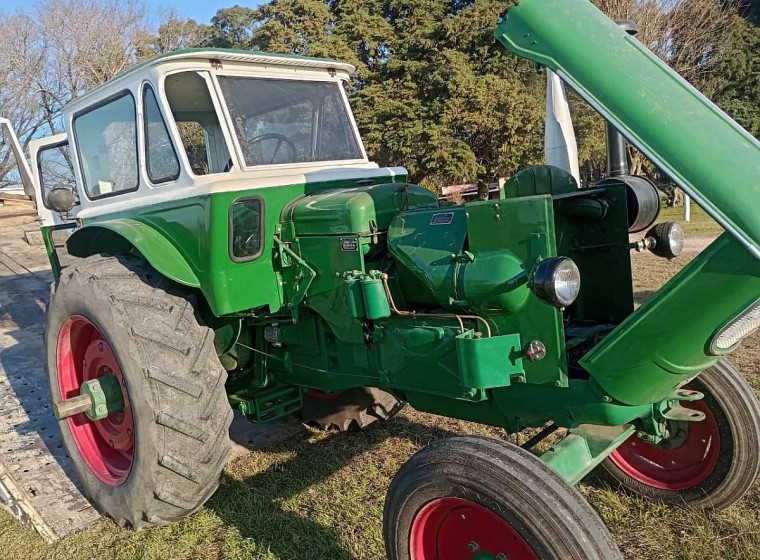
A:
175, 382
548, 513
736, 409
354, 409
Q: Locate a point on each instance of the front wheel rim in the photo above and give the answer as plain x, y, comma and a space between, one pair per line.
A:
458, 529
679, 468
106, 446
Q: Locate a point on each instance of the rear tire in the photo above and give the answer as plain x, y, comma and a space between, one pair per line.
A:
725, 461
466, 495
354, 409
173, 382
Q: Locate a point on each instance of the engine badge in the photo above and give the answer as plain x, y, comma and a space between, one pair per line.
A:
442, 219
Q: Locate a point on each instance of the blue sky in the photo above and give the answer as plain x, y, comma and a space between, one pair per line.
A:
200, 10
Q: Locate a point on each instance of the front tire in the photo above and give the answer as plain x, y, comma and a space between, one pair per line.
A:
464, 496
709, 464
160, 459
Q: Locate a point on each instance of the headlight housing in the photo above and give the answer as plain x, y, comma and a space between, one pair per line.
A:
737, 330
668, 239
557, 281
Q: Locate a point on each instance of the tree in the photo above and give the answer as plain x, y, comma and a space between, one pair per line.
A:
20, 64
176, 33
439, 96
232, 28
57, 52
737, 87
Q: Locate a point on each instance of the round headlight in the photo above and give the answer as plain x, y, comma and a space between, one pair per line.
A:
668, 239
556, 281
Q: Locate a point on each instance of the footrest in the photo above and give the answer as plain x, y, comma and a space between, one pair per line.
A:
269, 404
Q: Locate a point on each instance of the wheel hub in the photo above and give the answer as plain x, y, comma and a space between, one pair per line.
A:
684, 460
95, 400
456, 528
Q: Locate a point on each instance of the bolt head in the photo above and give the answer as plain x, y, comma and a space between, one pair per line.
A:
473, 546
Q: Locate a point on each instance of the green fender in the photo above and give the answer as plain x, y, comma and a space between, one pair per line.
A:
122, 234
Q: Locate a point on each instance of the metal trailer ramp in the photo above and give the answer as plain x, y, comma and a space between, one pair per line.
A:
36, 474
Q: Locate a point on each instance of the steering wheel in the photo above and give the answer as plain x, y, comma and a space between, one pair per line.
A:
281, 139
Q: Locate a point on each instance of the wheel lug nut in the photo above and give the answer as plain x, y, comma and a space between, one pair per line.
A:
473, 546
501, 556
129, 433
100, 346
110, 442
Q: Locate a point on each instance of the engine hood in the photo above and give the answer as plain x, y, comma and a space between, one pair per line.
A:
709, 155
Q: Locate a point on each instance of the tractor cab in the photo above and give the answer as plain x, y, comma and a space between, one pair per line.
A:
171, 127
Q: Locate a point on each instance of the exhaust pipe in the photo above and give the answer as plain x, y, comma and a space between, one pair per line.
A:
617, 153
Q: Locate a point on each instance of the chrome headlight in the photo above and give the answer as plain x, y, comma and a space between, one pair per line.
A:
737, 330
668, 239
556, 281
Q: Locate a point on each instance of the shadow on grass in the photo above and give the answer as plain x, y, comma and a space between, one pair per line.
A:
256, 505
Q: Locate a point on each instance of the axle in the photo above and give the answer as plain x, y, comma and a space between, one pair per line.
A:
98, 399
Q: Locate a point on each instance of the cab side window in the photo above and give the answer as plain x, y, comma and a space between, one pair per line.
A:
197, 123
106, 138
246, 229
160, 157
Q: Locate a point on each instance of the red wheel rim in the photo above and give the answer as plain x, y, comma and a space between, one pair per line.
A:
321, 395
686, 465
107, 446
459, 529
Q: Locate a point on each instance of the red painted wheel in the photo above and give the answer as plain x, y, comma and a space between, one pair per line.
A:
115, 319
684, 461
473, 498
455, 528
321, 395
709, 464
107, 446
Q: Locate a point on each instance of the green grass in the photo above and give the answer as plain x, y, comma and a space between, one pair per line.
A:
700, 223
320, 496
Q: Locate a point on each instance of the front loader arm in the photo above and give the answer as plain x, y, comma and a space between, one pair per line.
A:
709, 155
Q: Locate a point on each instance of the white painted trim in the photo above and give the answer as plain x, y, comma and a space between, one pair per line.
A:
201, 60
240, 182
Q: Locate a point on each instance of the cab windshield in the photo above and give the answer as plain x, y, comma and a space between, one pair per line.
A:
289, 121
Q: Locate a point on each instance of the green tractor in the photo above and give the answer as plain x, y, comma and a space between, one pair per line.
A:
237, 250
